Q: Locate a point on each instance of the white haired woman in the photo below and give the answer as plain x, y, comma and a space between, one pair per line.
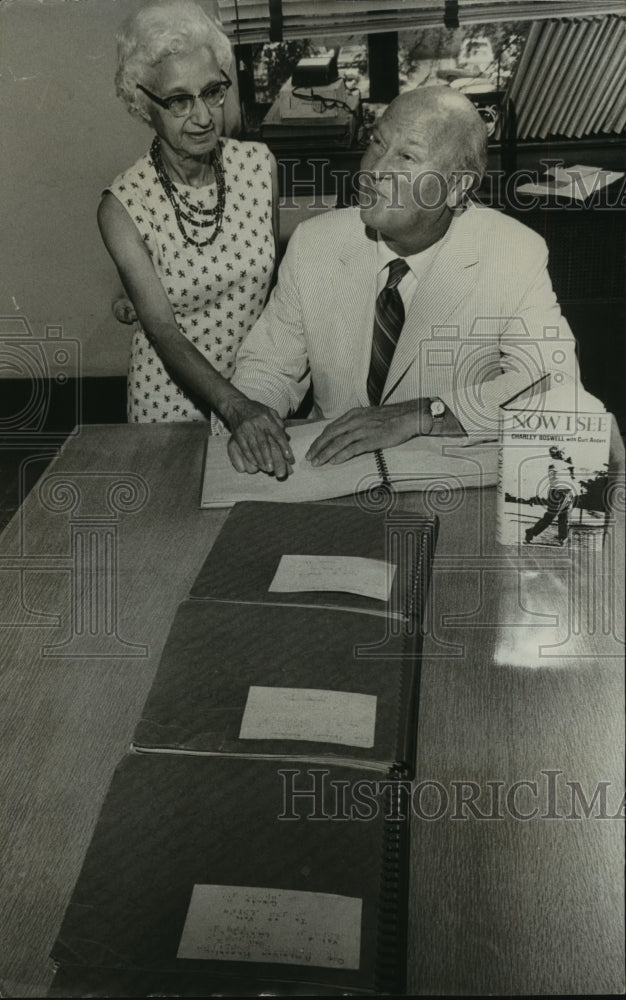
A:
191, 227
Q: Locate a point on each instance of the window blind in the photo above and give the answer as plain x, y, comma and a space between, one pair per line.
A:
571, 79
248, 21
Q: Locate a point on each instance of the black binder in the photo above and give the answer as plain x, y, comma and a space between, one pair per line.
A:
220, 655
248, 549
199, 818
171, 823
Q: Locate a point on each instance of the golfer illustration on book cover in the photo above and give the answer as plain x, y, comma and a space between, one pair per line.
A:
553, 474
561, 497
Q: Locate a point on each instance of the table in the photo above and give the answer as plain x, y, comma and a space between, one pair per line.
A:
503, 905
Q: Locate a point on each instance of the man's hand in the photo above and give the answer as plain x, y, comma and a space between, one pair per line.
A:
259, 440
368, 428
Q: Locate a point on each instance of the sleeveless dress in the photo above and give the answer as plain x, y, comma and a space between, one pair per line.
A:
217, 291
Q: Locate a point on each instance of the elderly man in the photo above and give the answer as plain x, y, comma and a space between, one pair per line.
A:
420, 312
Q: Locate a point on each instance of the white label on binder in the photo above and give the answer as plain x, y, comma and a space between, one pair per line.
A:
278, 713
348, 574
232, 923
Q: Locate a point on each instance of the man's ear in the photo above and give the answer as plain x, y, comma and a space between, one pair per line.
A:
460, 183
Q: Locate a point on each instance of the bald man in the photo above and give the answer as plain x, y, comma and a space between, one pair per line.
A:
418, 313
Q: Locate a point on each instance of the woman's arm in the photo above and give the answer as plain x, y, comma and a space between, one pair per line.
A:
258, 429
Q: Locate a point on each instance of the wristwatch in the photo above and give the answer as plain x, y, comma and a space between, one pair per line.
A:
437, 409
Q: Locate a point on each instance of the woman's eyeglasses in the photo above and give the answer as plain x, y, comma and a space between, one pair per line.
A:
181, 105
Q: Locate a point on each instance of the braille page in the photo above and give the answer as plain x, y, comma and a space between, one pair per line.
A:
242, 924
417, 464
222, 486
281, 713
348, 574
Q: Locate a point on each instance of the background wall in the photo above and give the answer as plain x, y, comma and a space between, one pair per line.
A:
64, 136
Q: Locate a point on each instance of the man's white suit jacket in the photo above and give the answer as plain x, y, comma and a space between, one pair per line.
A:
481, 327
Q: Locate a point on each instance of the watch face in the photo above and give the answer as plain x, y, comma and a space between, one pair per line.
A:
437, 408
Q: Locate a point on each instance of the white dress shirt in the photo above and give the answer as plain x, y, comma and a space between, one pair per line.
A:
419, 269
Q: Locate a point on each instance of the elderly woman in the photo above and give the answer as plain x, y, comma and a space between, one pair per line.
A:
191, 228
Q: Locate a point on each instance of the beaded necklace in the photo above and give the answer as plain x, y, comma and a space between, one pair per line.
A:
185, 210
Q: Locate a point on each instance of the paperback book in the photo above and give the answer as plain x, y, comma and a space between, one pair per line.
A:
553, 472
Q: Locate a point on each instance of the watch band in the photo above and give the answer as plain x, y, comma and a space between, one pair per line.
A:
437, 409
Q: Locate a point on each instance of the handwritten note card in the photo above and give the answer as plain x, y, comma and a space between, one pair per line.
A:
233, 923
348, 574
277, 713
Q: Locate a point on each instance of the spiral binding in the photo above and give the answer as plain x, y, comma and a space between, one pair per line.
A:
391, 943
381, 465
412, 649
418, 591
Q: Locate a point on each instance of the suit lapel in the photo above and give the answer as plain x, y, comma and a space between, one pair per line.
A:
356, 298
451, 277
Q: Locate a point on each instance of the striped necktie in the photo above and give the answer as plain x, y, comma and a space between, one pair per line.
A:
388, 321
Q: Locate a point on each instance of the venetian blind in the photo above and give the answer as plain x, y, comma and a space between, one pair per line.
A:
259, 20
571, 79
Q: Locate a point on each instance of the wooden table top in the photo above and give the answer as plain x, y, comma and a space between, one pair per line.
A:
522, 682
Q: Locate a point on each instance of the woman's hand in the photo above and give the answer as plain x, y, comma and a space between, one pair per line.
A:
124, 310
259, 439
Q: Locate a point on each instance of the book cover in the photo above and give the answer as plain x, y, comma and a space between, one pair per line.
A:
415, 465
214, 874
553, 473
255, 537
289, 682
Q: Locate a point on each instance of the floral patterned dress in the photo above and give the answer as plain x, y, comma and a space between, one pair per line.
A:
216, 291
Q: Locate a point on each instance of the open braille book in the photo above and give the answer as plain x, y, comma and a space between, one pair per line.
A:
418, 464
